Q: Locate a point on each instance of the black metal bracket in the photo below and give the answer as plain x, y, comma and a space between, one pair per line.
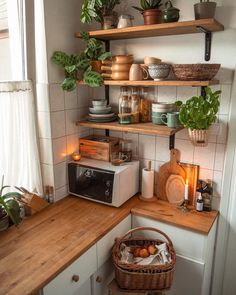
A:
208, 37
203, 91
107, 89
172, 141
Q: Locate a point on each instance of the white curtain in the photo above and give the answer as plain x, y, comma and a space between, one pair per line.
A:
19, 156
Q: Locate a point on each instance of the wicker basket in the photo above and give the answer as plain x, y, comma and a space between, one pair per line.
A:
143, 277
197, 72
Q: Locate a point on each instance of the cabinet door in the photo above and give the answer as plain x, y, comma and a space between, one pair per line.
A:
85, 289
104, 245
83, 268
102, 278
188, 277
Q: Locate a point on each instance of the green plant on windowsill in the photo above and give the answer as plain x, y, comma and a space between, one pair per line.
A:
9, 207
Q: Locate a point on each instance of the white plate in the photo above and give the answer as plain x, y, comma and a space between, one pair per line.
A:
100, 110
102, 116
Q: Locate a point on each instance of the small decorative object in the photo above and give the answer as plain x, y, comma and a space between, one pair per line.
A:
150, 11
204, 9
9, 207
197, 72
198, 114
125, 21
100, 11
159, 72
76, 156
170, 13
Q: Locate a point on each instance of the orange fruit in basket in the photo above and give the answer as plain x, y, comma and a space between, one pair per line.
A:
152, 249
136, 252
144, 253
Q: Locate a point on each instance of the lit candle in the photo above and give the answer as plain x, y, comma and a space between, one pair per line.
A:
186, 190
76, 156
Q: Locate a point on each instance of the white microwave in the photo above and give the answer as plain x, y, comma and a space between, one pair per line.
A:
102, 182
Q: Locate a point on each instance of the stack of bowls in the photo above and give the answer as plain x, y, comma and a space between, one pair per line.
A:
160, 108
118, 68
101, 112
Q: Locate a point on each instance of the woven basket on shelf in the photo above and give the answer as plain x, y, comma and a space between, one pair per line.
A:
197, 72
198, 137
143, 277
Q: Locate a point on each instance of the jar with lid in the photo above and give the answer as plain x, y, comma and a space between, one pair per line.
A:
125, 20
145, 105
124, 106
134, 105
125, 147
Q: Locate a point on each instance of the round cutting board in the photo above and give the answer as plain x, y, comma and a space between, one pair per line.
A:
175, 189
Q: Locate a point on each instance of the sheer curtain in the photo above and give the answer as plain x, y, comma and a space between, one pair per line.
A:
19, 157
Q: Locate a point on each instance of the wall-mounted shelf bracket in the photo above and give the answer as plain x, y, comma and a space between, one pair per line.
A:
208, 36
203, 91
172, 141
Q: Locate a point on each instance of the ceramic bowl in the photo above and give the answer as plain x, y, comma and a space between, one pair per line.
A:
163, 107
148, 60
100, 110
99, 102
159, 72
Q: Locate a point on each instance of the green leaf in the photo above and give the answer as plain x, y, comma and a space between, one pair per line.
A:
93, 79
69, 84
105, 55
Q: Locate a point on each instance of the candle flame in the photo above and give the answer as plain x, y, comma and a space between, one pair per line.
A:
187, 181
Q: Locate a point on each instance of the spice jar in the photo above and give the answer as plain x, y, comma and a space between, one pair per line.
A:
145, 105
134, 105
124, 106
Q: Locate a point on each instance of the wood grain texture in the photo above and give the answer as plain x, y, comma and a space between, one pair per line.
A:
168, 213
167, 169
164, 29
144, 128
158, 83
50, 240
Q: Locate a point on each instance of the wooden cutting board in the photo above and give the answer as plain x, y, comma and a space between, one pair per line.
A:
175, 185
171, 167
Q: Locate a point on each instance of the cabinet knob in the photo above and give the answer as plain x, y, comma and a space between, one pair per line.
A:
99, 279
75, 278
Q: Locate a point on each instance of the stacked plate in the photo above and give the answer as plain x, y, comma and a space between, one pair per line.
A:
101, 112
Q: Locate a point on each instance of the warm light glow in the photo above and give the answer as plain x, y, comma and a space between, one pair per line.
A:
187, 181
76, 156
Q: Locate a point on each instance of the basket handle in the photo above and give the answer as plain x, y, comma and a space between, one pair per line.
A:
146, 228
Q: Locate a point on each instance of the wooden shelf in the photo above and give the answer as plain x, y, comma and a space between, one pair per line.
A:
144, 128
164, 29
158, 83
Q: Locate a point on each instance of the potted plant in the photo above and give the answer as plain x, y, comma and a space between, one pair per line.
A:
100, 10
9, 208
204, 9
150, 11
198, 114
94, 52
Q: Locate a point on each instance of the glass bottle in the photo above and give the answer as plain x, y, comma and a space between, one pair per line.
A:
145, 105
207, 193
134, 105
124, 106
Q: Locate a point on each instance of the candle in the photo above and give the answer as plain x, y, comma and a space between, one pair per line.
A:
186, 190
76, 156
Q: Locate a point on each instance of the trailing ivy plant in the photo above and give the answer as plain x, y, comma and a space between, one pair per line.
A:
97, 9
199, 112
76, 67
94, 49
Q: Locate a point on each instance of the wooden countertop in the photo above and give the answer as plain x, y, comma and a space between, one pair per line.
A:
47, 242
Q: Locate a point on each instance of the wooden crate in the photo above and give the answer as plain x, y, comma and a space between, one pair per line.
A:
98, 147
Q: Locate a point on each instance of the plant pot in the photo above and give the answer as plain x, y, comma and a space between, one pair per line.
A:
110, 21
204, 10
152, 16
198, 137
96, 65
4, 222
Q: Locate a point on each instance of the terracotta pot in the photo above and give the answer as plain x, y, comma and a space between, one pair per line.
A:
96, 66
204, 10
152, 16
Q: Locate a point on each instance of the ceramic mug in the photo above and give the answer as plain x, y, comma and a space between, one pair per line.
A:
137, 73
170, 119
156, 118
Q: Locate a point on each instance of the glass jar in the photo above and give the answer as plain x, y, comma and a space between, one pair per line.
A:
124, 106
145, 105
125, 20
134, 105
125, 147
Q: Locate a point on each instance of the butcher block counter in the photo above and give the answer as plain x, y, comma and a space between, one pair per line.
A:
47, 242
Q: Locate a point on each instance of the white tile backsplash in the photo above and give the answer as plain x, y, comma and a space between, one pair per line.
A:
42, 100
59, 150
162, 149
220, 157
185, 93
60, 175
72, 144
223, 132
60, 193
186, 150
46, 152
71, 100
166, 94
47, 174
56, 97
225, 99
205, 156
71, 117
58, 124
44, 124
147, 147
217, 183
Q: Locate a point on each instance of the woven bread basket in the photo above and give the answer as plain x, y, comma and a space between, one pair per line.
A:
197, 72
143, 277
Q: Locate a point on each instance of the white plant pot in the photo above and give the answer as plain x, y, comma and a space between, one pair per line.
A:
198, 137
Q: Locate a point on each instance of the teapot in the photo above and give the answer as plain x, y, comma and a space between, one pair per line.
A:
170, 13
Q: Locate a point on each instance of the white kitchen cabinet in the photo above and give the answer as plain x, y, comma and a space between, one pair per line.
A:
194, 256
74, 276
85, 289
102, 277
